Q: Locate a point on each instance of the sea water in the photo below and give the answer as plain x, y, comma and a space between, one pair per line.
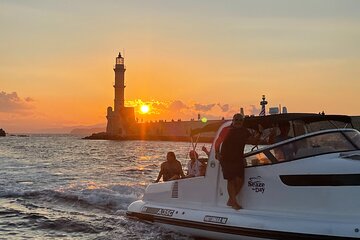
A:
64, 187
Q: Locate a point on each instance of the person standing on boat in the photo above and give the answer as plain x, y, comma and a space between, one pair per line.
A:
171, 169
229, 150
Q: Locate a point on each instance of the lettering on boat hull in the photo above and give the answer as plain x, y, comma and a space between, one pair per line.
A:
215, 219
158, 211
256, 184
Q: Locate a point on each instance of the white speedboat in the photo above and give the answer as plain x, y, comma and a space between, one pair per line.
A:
313, 193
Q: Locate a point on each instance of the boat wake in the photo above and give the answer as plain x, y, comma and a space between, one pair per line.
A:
114, 197
76, 212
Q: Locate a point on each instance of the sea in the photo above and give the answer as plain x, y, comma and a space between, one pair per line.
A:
64, 187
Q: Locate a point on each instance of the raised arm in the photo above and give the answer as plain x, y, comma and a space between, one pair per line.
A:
206, 151
160, 174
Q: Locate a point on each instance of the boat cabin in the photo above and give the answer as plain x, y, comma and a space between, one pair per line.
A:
296, 145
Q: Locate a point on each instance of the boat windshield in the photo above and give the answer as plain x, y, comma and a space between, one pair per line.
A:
328, 124
328, 141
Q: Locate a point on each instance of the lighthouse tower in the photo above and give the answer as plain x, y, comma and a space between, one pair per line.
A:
263, 104
119, 121
119, 85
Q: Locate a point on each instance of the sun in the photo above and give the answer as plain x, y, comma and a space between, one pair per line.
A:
144, 109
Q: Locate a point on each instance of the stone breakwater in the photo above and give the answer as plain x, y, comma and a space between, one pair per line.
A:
178, 131
174, 131
105, 136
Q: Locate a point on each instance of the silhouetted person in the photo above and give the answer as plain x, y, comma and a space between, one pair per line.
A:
231, 156
171, 169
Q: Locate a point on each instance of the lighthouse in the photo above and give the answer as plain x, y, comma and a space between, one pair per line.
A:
119, 85
121, 119
263, 104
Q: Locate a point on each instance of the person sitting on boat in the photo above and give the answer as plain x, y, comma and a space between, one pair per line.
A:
171, 169
287, 151
194, 165
229, 150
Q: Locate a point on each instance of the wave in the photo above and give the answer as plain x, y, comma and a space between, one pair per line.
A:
72, 213
70, 225
113, 197
12, 218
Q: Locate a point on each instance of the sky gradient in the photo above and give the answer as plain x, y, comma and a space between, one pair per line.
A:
182, 58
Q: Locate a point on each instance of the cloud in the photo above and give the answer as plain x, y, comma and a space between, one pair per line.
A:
179, 109
224, 108
252, 110
204, 107
29, 99
177, 105
11, 102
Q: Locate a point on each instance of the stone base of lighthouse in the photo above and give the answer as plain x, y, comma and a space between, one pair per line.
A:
120, 123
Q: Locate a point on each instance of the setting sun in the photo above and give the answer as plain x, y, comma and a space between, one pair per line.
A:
144, 109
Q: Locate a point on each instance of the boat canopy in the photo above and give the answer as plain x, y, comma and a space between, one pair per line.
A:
212, 127
313, 122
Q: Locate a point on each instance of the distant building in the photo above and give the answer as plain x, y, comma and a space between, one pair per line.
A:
242, 111
284, 110
273, 110
121, 119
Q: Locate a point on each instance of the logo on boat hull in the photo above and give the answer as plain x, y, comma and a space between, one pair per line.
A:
256, 184
158, 211
215, 219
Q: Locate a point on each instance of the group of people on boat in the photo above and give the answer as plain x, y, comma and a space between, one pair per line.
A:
229, 150
171, 169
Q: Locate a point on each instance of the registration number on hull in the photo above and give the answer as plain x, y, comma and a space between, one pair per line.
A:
158, 211
215, 219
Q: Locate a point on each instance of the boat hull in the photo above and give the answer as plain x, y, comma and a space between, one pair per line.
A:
243, 224
313, 195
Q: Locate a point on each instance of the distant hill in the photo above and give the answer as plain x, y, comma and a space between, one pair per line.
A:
2, 133
87, 131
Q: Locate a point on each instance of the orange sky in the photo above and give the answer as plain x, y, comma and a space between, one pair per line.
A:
184, 58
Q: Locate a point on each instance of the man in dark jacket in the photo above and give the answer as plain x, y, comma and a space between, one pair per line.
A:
231, 155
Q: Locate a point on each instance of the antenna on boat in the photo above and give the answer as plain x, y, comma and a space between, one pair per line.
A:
195, 144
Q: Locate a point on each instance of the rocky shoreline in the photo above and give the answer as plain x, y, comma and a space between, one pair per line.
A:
2, 132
